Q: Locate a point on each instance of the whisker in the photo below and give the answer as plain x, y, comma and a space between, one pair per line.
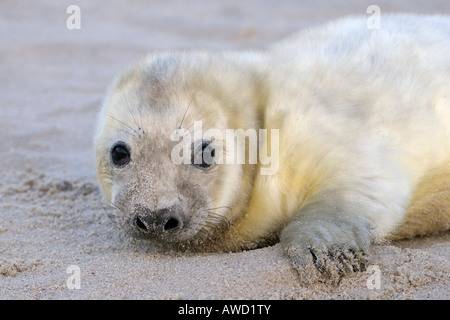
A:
129, 109
217, 219
200, 119
218, 208
141, 98
132, 134
184, 115
194, 204
111, 205
125, 124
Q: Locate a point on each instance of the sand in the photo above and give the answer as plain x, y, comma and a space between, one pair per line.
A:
52, 81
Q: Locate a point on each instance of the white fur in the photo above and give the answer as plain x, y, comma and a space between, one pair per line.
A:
378, 99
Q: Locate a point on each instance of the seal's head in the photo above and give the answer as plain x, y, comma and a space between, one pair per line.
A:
146, 113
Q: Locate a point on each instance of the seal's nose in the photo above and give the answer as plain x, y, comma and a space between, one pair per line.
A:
172, 224
139, 222
157, 222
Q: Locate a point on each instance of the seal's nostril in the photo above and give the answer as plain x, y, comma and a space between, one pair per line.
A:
140, 224
171, 224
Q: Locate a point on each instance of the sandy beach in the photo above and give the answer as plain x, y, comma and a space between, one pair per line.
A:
52, 82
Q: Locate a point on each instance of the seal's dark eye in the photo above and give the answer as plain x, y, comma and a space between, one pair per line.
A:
203, 154
120, 155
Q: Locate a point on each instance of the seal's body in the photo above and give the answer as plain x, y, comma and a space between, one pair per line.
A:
363, 149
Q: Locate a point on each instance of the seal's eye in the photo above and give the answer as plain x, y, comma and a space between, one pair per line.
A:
120, 155
203, 154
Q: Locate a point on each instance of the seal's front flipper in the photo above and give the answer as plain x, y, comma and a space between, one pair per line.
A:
327, 242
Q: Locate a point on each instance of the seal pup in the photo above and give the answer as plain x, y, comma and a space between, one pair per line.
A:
363, 153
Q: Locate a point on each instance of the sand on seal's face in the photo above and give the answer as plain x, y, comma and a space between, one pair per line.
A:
51, 216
